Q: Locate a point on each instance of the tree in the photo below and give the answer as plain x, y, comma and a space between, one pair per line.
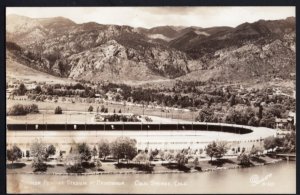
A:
234, 116
232, 100
120, 111
196, 162
73, 158
51, 150
244, 159
124, 147
221, 150
217, 150
98, 164
38, 89
58, 110
169, 156
14, 154
106, 110
21, 89
211, 149
253, 121
103, 148
17, 109
181, 158
90, 109
32, 108
94, 152
260, 112
38, 151
84, 151
142, 157
255, 151
205, 115
272, 142
289, 142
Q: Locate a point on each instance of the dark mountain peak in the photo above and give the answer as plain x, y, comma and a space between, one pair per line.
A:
266, 27
164, 30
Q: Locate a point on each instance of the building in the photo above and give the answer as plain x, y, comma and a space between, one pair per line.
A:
292, 118
281, 123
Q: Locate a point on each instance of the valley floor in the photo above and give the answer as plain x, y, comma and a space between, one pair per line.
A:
77, 112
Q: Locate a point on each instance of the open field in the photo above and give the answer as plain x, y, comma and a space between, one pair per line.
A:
48, 109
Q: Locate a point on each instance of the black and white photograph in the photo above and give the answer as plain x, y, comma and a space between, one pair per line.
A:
151, 100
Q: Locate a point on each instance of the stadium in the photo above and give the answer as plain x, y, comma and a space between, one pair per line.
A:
163, 136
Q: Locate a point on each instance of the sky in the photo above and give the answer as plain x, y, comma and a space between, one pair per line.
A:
159, 16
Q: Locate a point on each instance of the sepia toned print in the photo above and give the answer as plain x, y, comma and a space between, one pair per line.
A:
151, 100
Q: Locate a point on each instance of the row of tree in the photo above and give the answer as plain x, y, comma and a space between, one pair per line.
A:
125, 148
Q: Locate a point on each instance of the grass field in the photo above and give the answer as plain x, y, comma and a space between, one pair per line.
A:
47, 108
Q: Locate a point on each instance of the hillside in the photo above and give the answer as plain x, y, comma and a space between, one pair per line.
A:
92, 51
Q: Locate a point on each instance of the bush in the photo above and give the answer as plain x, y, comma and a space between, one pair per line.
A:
33, 108
39, 166
14, 154
244, 160
88, 165
19, 109
90, 109
77, 168
58, 110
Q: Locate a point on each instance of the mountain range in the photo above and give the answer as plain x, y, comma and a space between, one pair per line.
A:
92, 51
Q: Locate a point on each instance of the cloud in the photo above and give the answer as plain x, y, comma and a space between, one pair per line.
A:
169, 10
158, 16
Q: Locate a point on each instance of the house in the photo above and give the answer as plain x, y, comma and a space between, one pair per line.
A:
281, 123
292, 118
30, 86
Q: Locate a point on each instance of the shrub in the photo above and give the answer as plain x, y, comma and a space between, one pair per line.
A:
90, 109
21, 89
84, 151
14, 154
98, 165
244, 160
77, 168
38, 165
58, 110
88, 165
33, 108
19, 109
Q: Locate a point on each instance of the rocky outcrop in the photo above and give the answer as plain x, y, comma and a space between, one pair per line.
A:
113, 60
63, 48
